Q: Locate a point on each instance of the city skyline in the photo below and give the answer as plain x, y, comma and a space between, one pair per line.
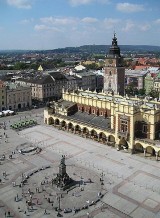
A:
50, 24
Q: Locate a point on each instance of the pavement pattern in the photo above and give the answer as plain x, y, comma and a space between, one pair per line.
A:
131, 183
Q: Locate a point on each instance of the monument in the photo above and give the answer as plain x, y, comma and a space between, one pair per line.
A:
62, 180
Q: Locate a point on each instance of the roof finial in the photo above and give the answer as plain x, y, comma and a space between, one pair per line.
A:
114, 34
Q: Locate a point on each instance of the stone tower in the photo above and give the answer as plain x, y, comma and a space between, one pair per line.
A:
114, 75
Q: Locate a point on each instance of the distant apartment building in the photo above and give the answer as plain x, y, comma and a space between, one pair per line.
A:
18, 96
87, 80
135, 78
2, 96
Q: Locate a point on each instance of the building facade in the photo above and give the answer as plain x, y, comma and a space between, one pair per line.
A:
121, 122
87, 80
149, 83
135, 78
18, 96
3, 96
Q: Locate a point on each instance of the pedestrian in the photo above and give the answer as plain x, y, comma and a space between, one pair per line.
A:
45, 212
5, 214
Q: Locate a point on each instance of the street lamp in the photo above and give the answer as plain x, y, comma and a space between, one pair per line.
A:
59, 206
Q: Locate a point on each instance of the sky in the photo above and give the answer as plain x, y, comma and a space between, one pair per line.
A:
50, 24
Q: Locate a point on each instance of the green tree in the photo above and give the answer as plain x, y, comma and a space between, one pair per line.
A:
141, 91
20, 66
154, 94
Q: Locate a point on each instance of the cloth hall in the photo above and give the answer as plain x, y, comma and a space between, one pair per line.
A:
109, 117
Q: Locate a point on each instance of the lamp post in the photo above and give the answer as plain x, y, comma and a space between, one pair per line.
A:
59, 205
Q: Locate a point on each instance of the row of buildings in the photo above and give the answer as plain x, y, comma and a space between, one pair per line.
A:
43, 86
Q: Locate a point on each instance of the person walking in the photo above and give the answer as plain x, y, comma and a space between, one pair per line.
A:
45, 212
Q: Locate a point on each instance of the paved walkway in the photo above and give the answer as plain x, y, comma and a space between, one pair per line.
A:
132, 182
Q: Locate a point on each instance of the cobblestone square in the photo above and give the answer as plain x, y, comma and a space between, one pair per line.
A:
131, 183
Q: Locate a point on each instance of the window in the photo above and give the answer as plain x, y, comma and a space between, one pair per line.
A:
110, 73
124, 126
144, 129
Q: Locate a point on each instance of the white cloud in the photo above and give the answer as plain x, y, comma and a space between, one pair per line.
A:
89, 20
58, 21
80, 2
129, 8
26, 21
144, 27
157, 21
110, 23
129, 26
42, 27
20, 3
85, 2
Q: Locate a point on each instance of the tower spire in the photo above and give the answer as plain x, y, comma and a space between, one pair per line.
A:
114, 49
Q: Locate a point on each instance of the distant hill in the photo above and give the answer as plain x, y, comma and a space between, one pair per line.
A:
103, 49
97, 49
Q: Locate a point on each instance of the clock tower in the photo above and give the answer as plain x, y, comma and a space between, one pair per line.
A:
114, 71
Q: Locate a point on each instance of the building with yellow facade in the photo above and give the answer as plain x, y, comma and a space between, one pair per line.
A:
129, 124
